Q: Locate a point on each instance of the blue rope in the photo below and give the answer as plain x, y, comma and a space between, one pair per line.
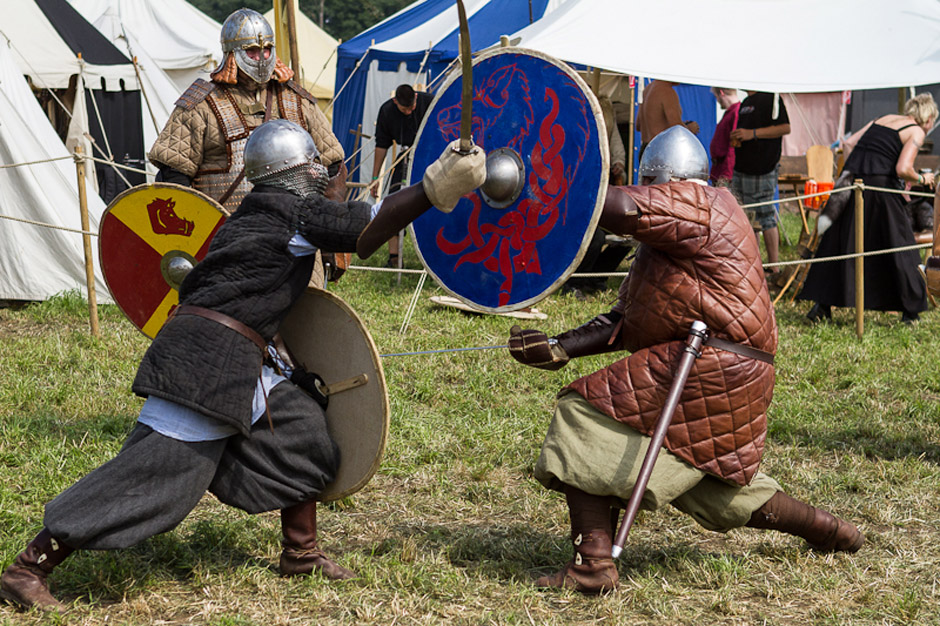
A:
441, 351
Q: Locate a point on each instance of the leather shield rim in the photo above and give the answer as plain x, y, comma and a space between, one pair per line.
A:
330, 492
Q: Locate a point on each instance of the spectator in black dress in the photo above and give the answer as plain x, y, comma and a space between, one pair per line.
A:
882, 155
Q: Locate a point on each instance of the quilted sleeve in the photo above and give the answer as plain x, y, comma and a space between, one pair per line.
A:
330, 149
673, 217
332, 226
181, 143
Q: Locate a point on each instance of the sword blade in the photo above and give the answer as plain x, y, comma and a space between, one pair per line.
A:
466, 99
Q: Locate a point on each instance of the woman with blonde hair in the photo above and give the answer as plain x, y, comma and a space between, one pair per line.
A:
882, 155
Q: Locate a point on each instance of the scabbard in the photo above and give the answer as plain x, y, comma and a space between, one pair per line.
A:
693, 347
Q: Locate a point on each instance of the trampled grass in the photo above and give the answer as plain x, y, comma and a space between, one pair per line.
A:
453, 528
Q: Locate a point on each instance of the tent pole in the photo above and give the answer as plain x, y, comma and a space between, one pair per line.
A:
292, 38
630, 131
146, 97
86, 241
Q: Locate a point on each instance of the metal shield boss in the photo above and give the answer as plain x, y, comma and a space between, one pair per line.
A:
150, 237
325, 336
516, 239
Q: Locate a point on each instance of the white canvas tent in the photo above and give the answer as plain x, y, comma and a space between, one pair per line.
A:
797, 46
55, 46
182, 40
38, 262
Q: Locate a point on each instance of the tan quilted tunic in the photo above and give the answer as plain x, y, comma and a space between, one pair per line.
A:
192, 140
699, 260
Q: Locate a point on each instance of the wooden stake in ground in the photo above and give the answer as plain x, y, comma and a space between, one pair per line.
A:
859, 261
86, 242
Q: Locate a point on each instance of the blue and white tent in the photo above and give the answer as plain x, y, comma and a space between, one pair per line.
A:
417, 45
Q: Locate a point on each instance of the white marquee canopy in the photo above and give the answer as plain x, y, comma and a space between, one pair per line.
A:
795, 46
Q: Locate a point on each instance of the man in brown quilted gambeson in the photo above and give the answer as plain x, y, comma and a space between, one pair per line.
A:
698, 260
203, 142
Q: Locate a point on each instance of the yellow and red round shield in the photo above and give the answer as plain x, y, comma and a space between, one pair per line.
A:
150, 237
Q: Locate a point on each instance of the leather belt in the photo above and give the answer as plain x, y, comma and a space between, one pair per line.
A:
225, 320
740, 348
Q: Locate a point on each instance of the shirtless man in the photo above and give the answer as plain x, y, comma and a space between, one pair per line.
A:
660, 110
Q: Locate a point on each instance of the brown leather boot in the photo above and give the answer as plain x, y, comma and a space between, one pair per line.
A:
592, 570
24, 582
823, 531
301, 555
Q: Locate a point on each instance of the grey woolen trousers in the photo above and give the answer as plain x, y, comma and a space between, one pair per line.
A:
155, 481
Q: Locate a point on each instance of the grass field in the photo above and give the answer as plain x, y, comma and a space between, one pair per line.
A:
453, 528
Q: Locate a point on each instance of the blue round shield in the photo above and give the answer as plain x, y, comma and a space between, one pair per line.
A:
500, 256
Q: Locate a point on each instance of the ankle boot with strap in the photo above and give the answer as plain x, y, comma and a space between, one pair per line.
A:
592, 570
823, 531
24, 582
301, 555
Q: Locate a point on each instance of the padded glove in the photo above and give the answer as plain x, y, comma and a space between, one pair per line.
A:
312, 384
533, 347
453, 176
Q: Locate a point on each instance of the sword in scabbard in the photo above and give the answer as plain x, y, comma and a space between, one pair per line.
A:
692, 350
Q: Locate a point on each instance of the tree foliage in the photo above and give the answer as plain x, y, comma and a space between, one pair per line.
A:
343, 19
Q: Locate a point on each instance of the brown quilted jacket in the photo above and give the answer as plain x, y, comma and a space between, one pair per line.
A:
192, 139
699, 260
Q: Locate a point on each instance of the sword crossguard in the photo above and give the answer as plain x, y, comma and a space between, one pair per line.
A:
464, 150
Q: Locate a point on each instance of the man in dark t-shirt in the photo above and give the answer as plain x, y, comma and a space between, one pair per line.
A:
397, 122
758, 145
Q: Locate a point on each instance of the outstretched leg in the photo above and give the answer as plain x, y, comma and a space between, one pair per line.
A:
823, 531
592, 570
301, 554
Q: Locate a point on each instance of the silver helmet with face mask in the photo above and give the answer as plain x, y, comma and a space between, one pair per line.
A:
282, 154
674, 154
245, 29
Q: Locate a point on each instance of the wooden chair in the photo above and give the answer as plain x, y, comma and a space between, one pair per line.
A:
820, 166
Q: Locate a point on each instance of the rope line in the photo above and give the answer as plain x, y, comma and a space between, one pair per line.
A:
854, 255
52, 226
442, 351
26, 163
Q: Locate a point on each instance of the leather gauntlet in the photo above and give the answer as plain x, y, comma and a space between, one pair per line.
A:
594, 337
533, 347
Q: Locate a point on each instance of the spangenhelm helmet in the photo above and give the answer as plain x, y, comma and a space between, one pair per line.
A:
246, 29
282, 154
674, 153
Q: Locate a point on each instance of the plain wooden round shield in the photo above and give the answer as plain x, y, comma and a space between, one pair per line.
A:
326, 336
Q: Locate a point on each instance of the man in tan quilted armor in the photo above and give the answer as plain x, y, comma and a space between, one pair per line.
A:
698, 260
203, 141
